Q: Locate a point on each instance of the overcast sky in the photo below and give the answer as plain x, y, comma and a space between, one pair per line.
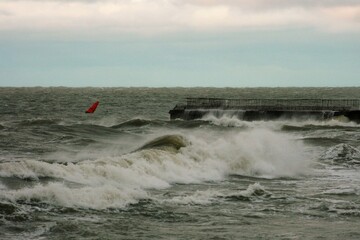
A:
166, 43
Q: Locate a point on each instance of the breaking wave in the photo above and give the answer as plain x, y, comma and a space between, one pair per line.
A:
112, 181
167, 142
230, 120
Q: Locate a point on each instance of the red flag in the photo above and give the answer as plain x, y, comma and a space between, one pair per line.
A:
93, 107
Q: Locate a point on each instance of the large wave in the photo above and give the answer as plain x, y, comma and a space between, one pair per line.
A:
114, 181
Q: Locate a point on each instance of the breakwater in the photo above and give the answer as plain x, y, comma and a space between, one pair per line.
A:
268, 109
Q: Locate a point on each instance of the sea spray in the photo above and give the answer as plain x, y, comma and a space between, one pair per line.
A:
255, 152
227, 120
116, 181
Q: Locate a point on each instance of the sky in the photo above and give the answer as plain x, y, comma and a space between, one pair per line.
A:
180, 43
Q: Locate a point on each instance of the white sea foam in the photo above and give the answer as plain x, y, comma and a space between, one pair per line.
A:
259, 152
343, 150
96, 197
209, 196
116, 181
233, 121
255, 189
343, 154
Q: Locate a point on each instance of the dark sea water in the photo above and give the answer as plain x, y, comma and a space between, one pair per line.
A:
128, 172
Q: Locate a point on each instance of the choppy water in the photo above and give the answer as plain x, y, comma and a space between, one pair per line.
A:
127, 172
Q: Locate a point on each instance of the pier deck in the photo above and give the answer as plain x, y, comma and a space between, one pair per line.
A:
268, 109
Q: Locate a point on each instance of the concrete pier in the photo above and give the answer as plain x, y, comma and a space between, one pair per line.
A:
268, 109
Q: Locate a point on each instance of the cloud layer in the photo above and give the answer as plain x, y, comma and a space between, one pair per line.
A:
157, 16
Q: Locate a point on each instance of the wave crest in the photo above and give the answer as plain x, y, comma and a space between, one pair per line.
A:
117, 181
167, 142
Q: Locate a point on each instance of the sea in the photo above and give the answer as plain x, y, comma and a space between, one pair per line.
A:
129, 172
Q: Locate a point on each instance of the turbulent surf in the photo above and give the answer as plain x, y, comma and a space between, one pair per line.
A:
129, 172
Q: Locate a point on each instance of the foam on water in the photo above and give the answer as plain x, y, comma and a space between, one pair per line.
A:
209, 196
116, 181
344, 154
95, 197
255, 189
233, 121
255, 152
